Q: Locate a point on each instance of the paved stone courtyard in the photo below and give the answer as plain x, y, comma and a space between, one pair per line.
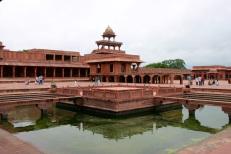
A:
217, 144
32, 85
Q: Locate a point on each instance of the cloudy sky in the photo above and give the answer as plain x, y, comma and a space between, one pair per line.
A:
198, 31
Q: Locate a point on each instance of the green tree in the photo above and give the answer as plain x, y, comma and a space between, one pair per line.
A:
171, 63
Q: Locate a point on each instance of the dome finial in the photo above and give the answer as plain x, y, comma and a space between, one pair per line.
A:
108, 32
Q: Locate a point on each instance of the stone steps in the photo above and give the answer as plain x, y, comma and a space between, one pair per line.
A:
26, 97
206, 96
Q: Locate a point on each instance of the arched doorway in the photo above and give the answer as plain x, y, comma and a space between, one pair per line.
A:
146, 79
137, 79
129, 79
122, 79
156, 79
111, 79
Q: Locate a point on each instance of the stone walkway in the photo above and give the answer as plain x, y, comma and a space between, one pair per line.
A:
10, 144
13, 85
219, 143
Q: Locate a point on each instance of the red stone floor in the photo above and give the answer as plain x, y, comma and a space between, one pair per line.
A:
219, 143
13, 85
10, 144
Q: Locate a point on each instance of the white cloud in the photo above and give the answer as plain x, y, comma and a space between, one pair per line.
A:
197, 31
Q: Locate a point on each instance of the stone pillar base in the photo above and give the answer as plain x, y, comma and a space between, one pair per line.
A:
44, 112
4, 116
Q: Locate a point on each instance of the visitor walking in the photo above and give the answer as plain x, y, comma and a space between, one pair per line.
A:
40, 79
196, 79
217, 83
202, 81
199, 80
36, 80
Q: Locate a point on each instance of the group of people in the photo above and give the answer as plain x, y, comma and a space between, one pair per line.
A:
39, 80
200, 81
213, 82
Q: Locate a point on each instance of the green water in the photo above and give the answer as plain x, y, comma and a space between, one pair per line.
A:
65, 132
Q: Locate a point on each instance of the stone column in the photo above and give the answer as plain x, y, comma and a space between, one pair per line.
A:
62, 58
142, 79
125, 79
24, 71
161, 79
1, 71
4, 112
35, 71
171, 79
71, 72
45, 72
62, 72
44, 106
192, 108
13, 68
85, 72
78, 72
181, 79
115, 79
54, 72
168, 77
133, 78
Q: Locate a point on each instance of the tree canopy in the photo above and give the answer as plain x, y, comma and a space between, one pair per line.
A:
171, 63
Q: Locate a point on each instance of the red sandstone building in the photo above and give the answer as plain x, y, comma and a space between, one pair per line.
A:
35, 62
107, 63
212, 72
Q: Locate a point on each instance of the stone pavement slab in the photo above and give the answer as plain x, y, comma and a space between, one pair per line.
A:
10, 144
219, 143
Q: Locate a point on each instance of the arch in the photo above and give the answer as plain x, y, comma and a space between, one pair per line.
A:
137, 79
129, 79
179, 77
146, 79
122, 79
156, 79
111, 79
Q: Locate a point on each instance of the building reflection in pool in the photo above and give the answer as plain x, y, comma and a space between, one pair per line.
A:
28, 118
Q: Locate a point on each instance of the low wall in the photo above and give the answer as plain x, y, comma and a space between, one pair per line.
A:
118, 96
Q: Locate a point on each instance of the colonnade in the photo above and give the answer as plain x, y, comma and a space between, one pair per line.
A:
153, 79
33, 71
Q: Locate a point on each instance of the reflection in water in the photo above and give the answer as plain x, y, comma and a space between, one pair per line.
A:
76, 132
